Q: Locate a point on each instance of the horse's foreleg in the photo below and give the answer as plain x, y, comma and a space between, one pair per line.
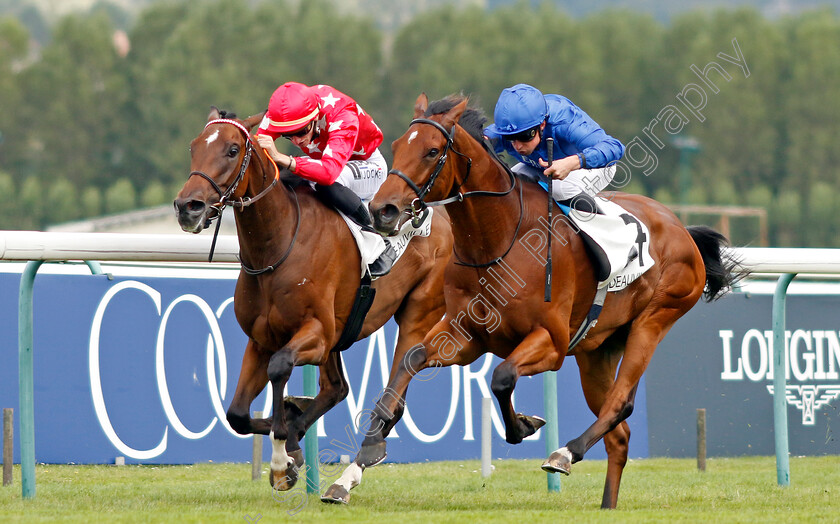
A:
306, 347
534, 354
252, 380
284, 468
333, 389
385, 414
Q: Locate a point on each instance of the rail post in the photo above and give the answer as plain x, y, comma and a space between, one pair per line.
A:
310, 388
26, 374
552, 433
780, 422
8, 445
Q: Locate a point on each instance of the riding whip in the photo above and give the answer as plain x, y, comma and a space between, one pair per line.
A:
549, 144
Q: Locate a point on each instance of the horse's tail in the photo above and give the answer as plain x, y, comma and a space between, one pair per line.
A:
723, 269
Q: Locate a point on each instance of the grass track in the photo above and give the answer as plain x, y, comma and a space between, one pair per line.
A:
653, 490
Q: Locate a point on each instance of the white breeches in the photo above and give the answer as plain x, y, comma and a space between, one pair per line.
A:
364, 177
590, 181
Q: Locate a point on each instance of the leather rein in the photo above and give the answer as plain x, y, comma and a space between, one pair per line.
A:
226, 197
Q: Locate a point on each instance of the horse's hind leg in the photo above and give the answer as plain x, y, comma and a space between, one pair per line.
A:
645, 334
617, 443
597, 369
535, 354
252, 380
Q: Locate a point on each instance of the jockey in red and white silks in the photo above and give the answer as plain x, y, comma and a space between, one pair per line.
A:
342, 159
339, 139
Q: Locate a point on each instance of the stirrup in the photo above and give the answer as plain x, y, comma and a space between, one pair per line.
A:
382, 265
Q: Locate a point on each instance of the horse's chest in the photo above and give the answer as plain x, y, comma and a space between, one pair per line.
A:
486, 314
267, 317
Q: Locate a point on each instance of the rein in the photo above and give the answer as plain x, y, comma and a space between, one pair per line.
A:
418, 205
244, 201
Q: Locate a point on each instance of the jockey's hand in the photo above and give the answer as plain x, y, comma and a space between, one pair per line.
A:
560, 169
267, 143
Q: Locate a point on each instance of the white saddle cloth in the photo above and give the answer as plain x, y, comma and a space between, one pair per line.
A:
371, 245
620, 235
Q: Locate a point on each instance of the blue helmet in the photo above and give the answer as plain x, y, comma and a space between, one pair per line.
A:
519, 108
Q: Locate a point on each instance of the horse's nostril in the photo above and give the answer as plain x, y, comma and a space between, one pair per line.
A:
389, 213
195, 206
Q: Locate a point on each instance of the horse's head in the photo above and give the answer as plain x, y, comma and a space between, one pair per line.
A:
219, 159
420, 163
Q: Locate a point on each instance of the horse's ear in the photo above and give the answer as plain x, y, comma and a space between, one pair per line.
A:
214, 113
253, 120
421, 105
454, 115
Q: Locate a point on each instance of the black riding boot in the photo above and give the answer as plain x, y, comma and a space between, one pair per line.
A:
345, 200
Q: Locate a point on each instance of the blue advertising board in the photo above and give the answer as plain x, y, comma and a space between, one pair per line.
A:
719, 358
144, 367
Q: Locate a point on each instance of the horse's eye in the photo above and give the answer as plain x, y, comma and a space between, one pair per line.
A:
234, 152
433, 153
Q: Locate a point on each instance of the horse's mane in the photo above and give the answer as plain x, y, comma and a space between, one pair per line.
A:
472, 120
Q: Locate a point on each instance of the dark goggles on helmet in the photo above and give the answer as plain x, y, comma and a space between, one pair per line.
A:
299, 133
524, 136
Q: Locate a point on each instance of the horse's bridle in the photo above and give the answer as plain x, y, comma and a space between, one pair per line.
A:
225, 196
418, 205
243, 202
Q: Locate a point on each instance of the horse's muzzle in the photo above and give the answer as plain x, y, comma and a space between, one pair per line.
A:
386, 219
191, 214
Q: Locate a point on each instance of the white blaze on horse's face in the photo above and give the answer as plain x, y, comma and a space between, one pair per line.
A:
212, 138
412, 136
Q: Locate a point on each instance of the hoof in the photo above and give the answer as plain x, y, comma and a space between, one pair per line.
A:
284, 479
297, 455
295, 406
532, 423
336, 494
525, 427
559, 462
371, 455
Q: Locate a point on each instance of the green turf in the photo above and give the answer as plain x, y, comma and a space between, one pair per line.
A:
731, 490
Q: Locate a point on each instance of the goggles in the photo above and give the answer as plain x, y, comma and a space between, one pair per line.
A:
299, 133
524, 136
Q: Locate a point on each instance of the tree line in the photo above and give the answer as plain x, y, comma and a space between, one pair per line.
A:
86, 129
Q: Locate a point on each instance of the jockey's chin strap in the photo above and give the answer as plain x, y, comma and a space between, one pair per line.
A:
418, 205
225, 196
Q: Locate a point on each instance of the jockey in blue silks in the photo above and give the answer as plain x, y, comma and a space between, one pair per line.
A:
585, 154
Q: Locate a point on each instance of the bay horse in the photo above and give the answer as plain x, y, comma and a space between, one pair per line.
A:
494, 292
295, 291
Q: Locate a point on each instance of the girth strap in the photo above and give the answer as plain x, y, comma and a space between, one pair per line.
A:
361, 305
591, 317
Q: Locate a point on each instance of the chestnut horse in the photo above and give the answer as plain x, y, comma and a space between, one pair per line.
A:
295, 291
494, 292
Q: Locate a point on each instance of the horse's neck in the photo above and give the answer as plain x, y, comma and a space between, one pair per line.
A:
483, 226
266, 227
